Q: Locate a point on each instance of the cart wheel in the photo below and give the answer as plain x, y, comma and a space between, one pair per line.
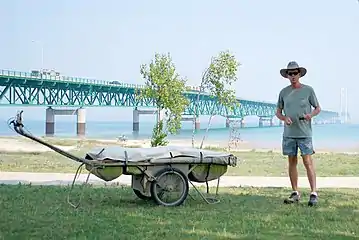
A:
141, 196
168, 182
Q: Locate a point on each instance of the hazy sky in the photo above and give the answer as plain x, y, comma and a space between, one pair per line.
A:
110, 39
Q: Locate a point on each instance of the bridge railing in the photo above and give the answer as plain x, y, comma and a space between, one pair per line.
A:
53, 76
48, 76
45, 76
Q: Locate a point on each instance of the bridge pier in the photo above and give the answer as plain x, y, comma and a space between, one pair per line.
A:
136, 121
137, 113
50, 120
81, 122
266, 119
228, 122
136, 117
197, 125
260, 122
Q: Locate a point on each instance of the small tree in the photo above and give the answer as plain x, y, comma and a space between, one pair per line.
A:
166, 88
217, 80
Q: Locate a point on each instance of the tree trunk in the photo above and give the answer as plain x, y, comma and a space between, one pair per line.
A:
195, 114
208, 126
195, 106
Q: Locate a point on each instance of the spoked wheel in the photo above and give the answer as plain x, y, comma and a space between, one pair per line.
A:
141, 196
170, 187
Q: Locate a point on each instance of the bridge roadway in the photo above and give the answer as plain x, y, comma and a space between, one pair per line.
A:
37, 89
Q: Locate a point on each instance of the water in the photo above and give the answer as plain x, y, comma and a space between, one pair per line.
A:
343, 137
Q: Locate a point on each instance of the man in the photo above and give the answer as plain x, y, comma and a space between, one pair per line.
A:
297, 101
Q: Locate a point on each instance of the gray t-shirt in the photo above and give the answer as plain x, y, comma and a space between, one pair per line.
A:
296, 102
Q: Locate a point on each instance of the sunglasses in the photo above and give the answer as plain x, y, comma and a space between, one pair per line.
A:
292, 73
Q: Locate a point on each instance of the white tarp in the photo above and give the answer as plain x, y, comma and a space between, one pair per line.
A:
166, 154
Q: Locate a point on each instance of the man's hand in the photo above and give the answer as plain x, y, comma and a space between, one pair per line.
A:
308, 117
287, 120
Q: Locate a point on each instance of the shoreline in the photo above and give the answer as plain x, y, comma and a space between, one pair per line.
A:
14, 144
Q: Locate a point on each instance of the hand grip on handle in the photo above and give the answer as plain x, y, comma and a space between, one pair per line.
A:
17, 122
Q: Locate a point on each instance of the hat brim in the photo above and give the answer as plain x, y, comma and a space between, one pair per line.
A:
302, 70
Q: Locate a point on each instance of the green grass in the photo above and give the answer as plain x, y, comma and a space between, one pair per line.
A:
34, 212
48, 161
273, 164
250, 163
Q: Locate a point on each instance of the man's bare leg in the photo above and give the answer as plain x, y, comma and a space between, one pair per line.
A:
293, 172
290, 149
307, 150
309, 166
293, 176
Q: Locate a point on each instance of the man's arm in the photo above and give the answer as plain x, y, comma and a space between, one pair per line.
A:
316, 111
279, 114
280, 106
315, 103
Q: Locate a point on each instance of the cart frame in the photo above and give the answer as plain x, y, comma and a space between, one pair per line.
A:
144, 183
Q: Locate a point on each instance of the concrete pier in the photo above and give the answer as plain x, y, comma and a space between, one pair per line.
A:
197, 125
81, 122
262, 120
50, 120
228, 122
242, 123
136, 117
137, 113
136, 121
240, 120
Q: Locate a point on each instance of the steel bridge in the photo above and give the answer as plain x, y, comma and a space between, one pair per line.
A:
44, 89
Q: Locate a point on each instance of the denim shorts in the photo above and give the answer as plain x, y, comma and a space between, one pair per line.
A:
290, 146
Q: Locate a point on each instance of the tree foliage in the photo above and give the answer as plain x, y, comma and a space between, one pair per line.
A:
217, 80
165, 86
158, 135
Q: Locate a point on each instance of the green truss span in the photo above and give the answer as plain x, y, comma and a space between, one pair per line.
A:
21, 88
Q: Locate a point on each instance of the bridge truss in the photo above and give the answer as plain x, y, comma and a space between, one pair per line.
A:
19, 88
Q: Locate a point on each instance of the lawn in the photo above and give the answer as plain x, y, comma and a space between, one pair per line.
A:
34, 212
250, 164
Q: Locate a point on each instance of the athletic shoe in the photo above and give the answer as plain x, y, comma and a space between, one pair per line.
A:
313, 199
293, 198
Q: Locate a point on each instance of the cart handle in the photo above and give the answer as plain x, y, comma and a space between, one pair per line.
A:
19, 128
